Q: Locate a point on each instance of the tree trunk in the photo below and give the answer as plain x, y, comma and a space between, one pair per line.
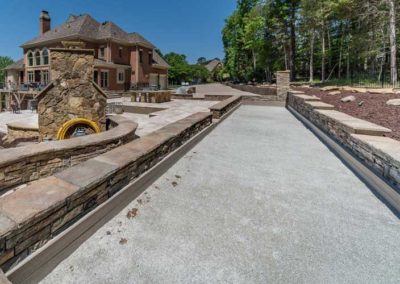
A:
292, 62
312, 56
323, 54
392, 33
254, 59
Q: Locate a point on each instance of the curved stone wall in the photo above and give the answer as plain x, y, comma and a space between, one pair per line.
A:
24, 164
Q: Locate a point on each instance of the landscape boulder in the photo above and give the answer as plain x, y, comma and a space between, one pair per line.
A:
330, 88
334, 93
393, 102
348, 99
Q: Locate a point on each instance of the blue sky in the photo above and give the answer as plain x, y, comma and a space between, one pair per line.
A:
192, 27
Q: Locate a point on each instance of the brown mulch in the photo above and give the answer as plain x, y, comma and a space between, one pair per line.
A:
373, 109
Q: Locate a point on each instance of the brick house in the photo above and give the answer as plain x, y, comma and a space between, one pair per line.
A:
122, 60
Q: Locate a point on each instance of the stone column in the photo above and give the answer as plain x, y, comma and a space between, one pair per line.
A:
282, 84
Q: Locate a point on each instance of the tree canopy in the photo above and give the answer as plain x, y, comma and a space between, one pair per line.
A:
4, 62
315, 39
182, 71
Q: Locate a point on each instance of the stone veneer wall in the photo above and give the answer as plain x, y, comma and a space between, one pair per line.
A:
71, 94
263, 91
25, 164
282, 84
30, 216
365, 140
220, 109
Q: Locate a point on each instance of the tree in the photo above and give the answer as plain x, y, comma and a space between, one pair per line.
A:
179, 70
4, 62
201, 60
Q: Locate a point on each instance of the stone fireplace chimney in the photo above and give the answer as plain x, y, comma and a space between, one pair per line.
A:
44, 22
72, 101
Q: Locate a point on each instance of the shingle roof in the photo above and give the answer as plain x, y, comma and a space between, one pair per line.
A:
84, 26
211, 65
16, 65
159, 60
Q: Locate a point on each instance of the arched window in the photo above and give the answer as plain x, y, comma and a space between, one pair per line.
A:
45, 55
37, 58
30, 58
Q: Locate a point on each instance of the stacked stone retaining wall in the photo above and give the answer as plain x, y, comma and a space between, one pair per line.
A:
30, 216
25, 164
364, 139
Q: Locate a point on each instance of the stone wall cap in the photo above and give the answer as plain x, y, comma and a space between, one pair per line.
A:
21, 126
358, 125
223, 104
14, 155
386, 145
319, 105
40, 196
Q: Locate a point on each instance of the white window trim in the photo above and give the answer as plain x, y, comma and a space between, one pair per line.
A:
123, 76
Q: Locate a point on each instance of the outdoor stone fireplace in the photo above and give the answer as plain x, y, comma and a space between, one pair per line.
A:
72, 104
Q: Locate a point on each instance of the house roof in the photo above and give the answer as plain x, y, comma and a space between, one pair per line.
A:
16, 65
212, 64
85, 27
159, 60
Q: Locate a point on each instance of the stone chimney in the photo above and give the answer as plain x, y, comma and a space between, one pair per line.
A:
72, 97
44, 22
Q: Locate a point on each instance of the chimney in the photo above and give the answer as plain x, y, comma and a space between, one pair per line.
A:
44, 22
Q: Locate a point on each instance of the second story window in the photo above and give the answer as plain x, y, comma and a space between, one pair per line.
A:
101, 52
30, 59
120, 52
37, 58
150, 58
45, 55
141, 56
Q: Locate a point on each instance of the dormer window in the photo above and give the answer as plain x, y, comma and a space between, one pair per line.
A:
30, 59
120, 52
101, 52
150, 58
37, 58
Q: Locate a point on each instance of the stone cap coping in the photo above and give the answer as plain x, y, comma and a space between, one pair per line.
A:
20, 126
223, 104
386, 145
47, 195
319, 105
356, 125
307, 97
14, 155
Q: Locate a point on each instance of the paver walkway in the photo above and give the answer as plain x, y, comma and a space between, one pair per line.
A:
259, 200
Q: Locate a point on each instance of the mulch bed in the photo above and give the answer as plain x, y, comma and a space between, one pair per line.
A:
373, 109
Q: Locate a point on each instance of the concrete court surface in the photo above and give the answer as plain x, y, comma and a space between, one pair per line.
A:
259, 200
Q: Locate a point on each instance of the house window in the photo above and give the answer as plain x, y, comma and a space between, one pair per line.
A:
121, 76
45, 77
104, 79
31, 77
30, 59
120, 52
150, 58
101, 52
141, 56
37, 58
45, 55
